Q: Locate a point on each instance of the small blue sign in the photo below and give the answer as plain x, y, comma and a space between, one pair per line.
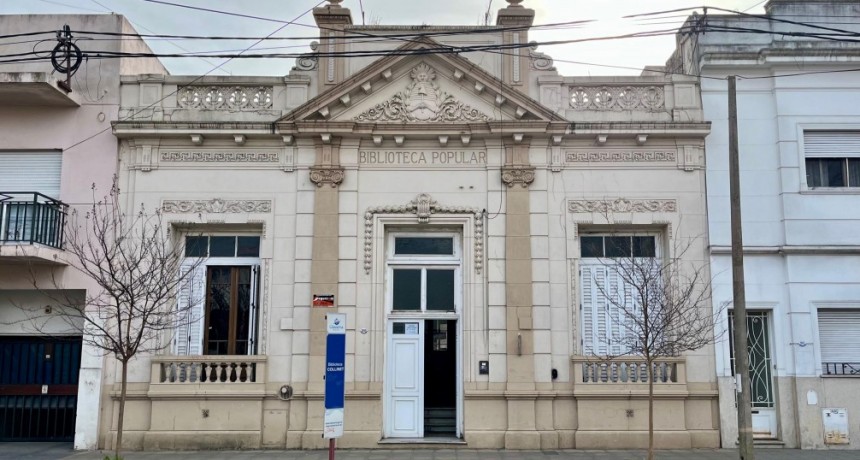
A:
335, 357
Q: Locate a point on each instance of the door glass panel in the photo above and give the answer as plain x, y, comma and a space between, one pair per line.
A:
218, 304
440, 290
243, 309
407, 289
423, 246
758, 346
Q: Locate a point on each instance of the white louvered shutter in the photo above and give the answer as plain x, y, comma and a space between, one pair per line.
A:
839, 334
586, 308
188, 338
595, 315
254, 310
831, 144
31, 172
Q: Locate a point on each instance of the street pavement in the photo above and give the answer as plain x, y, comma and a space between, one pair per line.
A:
55, 451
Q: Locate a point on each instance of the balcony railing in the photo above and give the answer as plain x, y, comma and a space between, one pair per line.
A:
628, 370
205, 370
30, 217
842, 369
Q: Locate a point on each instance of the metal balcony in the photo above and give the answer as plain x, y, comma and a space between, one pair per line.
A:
32, 218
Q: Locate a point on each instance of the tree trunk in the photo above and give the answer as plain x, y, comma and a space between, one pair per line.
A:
650, 409
118, 446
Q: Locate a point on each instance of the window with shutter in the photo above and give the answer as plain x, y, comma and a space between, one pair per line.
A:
839, 336
607, 327
832, 158
218, 305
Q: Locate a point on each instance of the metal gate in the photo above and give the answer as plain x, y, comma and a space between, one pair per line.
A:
39, 388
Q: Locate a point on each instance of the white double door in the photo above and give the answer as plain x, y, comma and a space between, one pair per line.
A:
405, 391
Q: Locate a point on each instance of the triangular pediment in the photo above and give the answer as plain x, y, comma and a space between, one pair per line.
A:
416, 87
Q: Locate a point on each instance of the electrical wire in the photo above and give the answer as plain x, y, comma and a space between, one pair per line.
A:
127, 117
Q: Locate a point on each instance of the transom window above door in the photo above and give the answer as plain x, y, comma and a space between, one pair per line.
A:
423, 272
618, 246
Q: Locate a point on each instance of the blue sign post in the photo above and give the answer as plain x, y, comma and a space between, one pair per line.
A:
335, 361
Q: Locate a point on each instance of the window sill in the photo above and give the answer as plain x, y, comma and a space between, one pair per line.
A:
831, 191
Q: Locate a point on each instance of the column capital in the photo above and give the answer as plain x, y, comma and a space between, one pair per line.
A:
522, 175
331, 175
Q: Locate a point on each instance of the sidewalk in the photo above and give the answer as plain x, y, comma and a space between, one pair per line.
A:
48, 451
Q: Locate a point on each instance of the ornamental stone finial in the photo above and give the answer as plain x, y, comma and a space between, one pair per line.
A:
338, 2
515, 3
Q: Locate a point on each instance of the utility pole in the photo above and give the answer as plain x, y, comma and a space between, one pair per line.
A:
742, 364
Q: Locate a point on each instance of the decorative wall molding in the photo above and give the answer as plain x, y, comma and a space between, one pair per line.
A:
522, 175
610, 156
424, 206
422, 101
308, 61
617, 98
229, 98
216, 206
321, 175
540, 61
219, 157
621, 205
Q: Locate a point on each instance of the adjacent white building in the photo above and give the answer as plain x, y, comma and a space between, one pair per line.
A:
798, 99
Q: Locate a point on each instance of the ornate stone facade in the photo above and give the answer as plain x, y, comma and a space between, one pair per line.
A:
617, 98
422, 101
231, 98
219, 157
518, 175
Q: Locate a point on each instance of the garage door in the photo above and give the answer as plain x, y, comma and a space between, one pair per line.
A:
38, 388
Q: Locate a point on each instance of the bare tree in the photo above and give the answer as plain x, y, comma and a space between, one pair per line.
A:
138, 268
660, 305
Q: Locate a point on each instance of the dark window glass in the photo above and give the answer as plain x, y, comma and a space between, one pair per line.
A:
644, 246
825, 172
218, 314
854, 172
423, 246
243, 310
440, 290
248, 246
195, 246
407, 289
222, 246
592, 246
618, 246
399, 328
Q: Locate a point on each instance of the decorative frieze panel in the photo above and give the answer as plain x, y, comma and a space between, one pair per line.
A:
619, 156
229, 98
422, 101
219, 157
424, 206
621, 205
216, 206
617, 98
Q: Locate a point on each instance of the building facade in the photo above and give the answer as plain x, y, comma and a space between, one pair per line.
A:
54, 147
440, 201
799, 134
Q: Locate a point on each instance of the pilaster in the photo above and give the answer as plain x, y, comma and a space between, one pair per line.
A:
517, 174
331, 20
515, 63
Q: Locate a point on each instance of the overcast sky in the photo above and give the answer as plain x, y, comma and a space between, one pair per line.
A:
150, 17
